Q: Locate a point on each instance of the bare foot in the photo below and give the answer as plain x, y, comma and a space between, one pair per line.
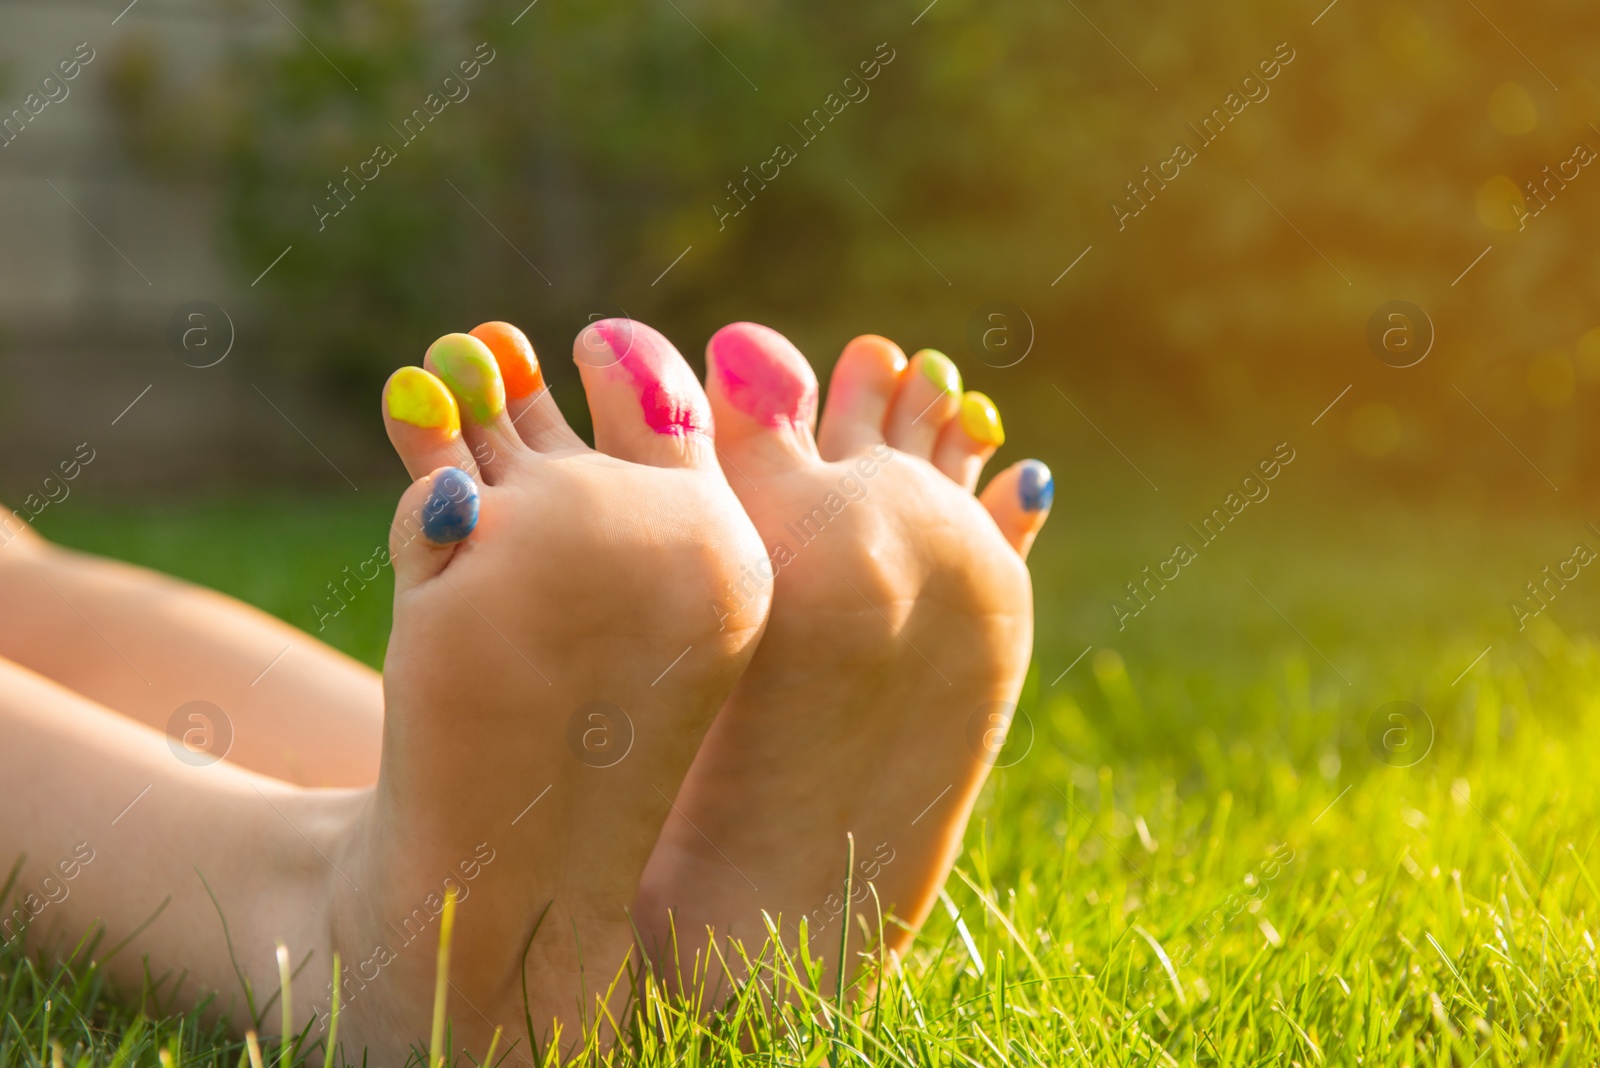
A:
901, 630
550, 675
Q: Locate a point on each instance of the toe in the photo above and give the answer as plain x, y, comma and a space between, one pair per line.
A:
967, 441
1019, 499
437, 512
929, 395
646, 403
859, 392
763, 397
528, 402
466, 365
423, 422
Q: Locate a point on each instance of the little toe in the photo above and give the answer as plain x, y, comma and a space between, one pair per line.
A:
860, 390
1019, 499
763, 397
528, 402
437, 512
466, 365
967, 441
646, 403
423, 422
929, 395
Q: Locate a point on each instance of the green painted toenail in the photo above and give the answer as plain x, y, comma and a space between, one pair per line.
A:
468, 367
940, 371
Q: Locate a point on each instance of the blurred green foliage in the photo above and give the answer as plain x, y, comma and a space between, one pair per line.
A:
597, 145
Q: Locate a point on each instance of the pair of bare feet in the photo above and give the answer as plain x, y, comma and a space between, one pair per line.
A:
644, 691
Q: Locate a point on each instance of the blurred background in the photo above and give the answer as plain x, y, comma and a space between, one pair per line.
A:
1167, 239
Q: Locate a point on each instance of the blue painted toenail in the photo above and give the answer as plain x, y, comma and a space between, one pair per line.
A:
1035, 486
452, 509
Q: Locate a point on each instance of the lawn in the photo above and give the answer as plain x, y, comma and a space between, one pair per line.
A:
1216, 839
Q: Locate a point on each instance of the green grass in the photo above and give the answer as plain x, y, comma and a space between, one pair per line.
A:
1200, 858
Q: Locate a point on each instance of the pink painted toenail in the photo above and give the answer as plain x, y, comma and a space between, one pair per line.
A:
668, 392
763, 375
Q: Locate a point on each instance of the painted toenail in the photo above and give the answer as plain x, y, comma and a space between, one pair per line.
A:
519, 366
451, 512
981, 420
669, 394
1035, 486
469, 369
940, 371
416, 397
885, 349
758, 369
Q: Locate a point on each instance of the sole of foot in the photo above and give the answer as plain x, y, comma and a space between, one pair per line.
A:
554, 663
900, 634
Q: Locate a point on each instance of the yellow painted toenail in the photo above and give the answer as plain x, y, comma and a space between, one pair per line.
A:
416, 397
981, 420
469, 369
940, 371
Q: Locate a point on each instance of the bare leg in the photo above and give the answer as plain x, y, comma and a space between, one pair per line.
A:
111, 826
145, 644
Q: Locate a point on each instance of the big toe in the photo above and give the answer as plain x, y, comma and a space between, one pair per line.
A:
646, 403
763, 396
1019, 499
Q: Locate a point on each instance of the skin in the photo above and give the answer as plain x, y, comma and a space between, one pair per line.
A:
144, 644
900, 634
802, 752
483, 783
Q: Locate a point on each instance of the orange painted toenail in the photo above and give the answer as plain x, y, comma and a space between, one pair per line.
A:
519, 367
897, 359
